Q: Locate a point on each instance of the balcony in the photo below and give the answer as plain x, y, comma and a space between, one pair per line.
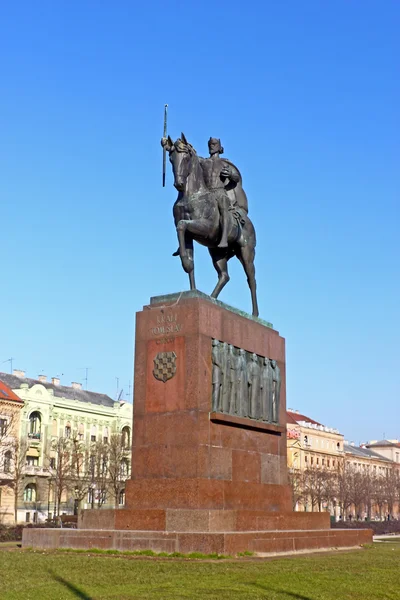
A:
34, 436
36, 470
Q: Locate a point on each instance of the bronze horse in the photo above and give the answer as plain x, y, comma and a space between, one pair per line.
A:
197, 218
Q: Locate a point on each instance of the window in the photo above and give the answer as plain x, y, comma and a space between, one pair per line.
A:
124, 468
93, 433
0, 496
92, 463
329, 462
121, 500
338, 447
92, 438
333, 463
27, 517
35, 422
105, 435
104, 465
323, 462
67, 431
317, 461
7, 461
312, 460
126, 437
52, 462
54, 427
3, 427
30, 493
32, 461
306, 459
90, 498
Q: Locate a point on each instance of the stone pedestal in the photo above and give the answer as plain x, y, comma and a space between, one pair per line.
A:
204, 478
184, 455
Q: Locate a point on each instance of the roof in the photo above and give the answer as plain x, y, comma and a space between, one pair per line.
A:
60, 391
295, 417
6, 393
382, 443
364, 453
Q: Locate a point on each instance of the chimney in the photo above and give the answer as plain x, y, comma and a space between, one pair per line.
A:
76, 386
42, 378
18, 373
55, 380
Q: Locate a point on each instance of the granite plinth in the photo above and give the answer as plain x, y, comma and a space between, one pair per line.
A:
208, 542
186, 520
183, 454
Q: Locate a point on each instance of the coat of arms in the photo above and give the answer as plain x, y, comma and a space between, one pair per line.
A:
164, 366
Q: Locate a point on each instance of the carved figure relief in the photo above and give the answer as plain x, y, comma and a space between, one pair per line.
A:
245, 384
164, 366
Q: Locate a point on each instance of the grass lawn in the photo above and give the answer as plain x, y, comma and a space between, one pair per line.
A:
372, 573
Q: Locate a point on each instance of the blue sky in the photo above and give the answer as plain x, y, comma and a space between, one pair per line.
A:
305, 97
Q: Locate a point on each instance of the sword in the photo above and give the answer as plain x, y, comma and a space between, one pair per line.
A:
164, 161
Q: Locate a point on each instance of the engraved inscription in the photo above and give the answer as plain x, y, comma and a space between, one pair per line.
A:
166, 324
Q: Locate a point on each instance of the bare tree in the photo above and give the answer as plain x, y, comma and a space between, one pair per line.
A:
98, 470
368, 491
80, 480
357, 481
16, 454
60, 469
380, 492
117, 474
343, 479
392, 489
315, 486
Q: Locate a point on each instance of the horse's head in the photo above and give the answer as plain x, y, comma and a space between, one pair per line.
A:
180, 157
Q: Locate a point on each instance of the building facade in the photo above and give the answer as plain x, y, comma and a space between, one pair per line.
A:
327, 473
317, 445
52, 412
388, 448
10, 412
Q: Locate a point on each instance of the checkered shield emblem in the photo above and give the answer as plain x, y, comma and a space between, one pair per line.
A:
164, 366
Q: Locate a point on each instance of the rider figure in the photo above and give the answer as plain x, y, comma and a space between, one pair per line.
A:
223, 179
217, 176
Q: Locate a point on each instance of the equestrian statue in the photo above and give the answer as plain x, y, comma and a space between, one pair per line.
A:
211, 209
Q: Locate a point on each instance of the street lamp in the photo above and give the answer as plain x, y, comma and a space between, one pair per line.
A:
76, 501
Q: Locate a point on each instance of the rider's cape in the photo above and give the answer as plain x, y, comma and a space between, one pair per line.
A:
235, 191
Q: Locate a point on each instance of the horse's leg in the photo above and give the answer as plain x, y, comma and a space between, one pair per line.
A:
190, 255
220, 262
246, 256
184, 227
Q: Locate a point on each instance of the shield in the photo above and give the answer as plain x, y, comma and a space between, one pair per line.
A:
164, 366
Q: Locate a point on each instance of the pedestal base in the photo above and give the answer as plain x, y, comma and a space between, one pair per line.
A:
264, 542
204, 480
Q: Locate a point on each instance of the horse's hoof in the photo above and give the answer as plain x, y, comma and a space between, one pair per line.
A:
176, 253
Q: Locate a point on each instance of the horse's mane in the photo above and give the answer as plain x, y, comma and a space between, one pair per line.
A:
181, 146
